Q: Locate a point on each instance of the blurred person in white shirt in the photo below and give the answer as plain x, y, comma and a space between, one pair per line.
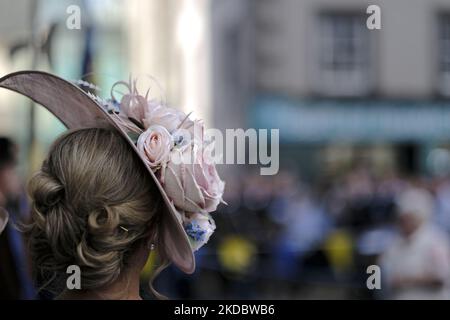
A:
417, 264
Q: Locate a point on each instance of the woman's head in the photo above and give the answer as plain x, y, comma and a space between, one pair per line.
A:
95, 180
93, 205
415, 207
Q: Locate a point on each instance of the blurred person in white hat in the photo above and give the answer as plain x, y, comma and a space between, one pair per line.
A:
417, 264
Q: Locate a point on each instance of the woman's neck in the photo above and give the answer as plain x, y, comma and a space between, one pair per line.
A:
126, 287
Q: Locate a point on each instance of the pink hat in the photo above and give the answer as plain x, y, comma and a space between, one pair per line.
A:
163, 138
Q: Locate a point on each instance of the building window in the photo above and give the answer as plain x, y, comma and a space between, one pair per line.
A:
444, 54
343, 54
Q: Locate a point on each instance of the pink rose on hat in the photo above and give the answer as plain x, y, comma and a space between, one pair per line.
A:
155, 143
158, 114
192, 183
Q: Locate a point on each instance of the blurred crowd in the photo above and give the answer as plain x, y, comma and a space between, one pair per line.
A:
283, 237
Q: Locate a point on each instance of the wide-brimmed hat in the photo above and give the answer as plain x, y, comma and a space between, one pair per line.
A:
4, 216
186, 198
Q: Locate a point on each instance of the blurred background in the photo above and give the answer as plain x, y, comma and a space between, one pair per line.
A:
363, 116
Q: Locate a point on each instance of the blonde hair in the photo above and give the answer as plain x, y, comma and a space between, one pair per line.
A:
93, 204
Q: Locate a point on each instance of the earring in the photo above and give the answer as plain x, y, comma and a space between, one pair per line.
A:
151, 246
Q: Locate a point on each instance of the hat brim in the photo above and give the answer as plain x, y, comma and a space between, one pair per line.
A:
76, 110
4, 217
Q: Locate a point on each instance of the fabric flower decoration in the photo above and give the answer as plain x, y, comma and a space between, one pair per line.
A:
157, 114
211, 186
199, 228
174, 148
132, 104
155, 143
190, 182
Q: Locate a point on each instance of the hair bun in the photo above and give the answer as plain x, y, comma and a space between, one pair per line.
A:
104, 220
89, 186
47, 190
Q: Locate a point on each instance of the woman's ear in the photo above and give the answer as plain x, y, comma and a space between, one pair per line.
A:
151, 237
